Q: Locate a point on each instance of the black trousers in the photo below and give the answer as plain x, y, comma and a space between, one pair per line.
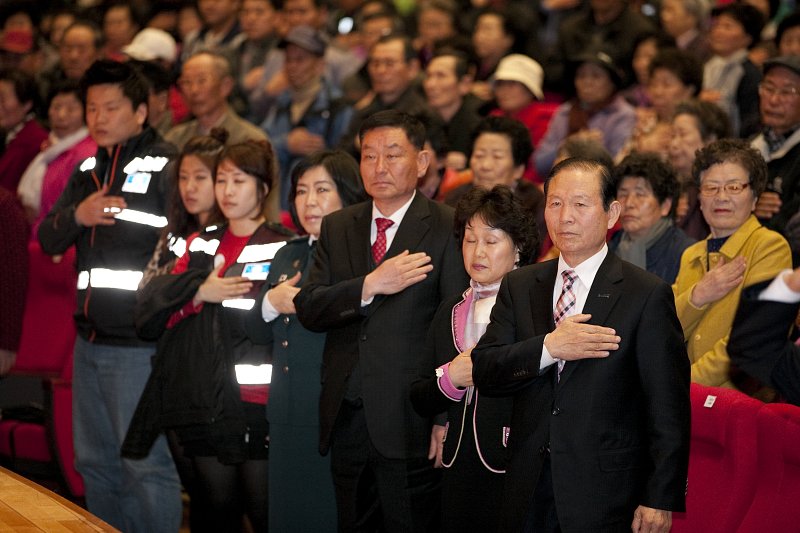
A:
377, 494
542, 517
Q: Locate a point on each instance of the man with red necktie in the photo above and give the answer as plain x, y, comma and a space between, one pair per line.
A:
381, 270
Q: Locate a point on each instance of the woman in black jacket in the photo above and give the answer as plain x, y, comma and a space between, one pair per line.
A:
210, 381
497, 234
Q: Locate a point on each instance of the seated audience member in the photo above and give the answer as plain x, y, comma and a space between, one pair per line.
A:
220, 31
159, 81
730, 79
206, 82
393, 70
14, 280
121, 22
310, 115
80, 46
339, 63
647, 190
779, 142
371, 26
614, 26
598, 110
686, 21
257, 19
500, 152
494, 36
437, 22
67, 145
447, 83
48, 328
675, 76
496, 235
517, 89
758, 345
739, 252
23, 133
695, 125
787, 36
646, 48
21, 49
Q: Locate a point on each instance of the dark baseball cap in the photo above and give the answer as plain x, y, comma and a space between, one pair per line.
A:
306, 38
790, 62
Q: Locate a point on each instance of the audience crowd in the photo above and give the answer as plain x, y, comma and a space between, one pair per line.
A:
318, 200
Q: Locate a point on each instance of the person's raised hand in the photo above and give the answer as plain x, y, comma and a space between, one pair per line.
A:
282, 295
573, 339
99, 209
396, 273
718, 281
768, 205
216, 289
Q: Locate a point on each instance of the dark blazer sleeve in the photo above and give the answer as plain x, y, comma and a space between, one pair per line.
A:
664, 374
506, 359
426, 397
325, 303
758, 343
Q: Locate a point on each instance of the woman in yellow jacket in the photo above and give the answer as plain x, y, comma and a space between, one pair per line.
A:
739, 252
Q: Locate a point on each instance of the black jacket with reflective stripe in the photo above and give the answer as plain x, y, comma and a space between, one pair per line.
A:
105, 314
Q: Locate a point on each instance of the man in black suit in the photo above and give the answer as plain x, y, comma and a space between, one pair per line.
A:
376, 311
599, 435
759, 345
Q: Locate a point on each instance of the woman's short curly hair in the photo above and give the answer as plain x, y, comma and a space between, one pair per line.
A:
501, 209
733, 151
659, 176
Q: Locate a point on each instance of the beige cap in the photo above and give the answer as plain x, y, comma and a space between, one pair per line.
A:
521, 68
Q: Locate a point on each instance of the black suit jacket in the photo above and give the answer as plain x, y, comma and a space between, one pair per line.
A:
617, 427
387, 337
759, 346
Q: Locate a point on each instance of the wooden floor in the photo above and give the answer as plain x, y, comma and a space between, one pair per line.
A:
26, 507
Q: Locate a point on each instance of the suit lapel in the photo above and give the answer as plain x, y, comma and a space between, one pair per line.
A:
357, 241
541, 294
603, 295
413, 228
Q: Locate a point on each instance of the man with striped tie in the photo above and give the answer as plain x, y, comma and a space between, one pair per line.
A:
592, 351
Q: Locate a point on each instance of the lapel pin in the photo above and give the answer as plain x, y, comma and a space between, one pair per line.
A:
604, 295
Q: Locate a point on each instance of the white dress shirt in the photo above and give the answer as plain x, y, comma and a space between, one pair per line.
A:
391, 231
585, 271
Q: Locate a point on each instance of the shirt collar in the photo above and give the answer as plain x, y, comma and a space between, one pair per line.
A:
587, 270
397, 216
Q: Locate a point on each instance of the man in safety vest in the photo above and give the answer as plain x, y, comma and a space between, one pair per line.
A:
112, 210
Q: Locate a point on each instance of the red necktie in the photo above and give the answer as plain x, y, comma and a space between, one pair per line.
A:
379, 246
565, 305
